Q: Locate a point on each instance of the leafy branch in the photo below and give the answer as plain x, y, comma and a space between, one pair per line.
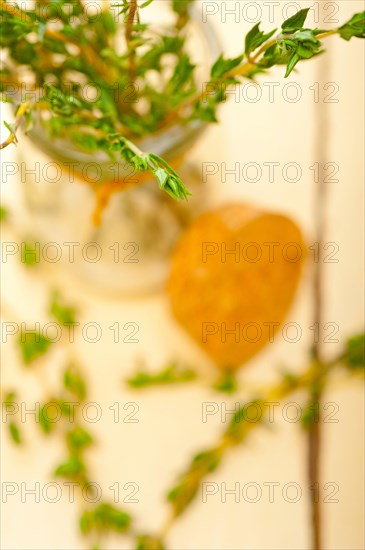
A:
95, 520
293, 44
105, 517
173, 374
167, 178
204, 463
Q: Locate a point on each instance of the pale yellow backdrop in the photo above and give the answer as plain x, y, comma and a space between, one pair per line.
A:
153, 451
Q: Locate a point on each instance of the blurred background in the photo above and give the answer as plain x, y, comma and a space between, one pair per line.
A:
269, 124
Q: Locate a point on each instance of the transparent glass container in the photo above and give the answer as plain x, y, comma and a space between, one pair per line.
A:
128, 251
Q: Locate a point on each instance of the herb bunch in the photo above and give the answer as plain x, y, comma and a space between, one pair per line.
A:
91, 78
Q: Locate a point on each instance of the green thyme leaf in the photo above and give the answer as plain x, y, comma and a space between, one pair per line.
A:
161, 176
296, 22
146, 3
182, 76
74, 383
170, 375
355, 352
8, 403
3, 213
46, 417
11, 128
148, 542
181, 6
223, 66
184, 492
64, 314
32, 346
227, 383
78, 439
300, 45
241, 422
15, 433
9, 399
104, 517
30, 253
60, 102
354, 27
294, 58
86, 523
206, 113
310, 414
73, 468
255, 38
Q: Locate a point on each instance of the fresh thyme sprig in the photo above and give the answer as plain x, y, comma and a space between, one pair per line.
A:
241, 425
106, 517
9, 406
82, 52
103, 517
293, 44
172, 374
166, 176
95, 520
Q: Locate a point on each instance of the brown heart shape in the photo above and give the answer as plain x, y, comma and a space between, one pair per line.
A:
233, 278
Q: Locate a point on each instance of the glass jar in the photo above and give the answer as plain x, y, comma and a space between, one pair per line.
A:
128, 247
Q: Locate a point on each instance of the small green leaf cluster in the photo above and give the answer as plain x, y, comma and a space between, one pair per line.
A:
63, 313
227, 383
298, 43
293, 44
59, 404
60, 102
77, 438
4, 214
104, 517
32, 345
242, 423
310, 414
354, 27
173, 374
354, 356
148, 542
182, 6
8, 404
74, 383
262, 51
184, 492
167, 178
30, 254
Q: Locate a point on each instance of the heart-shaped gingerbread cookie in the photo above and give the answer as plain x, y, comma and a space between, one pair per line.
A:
233, 277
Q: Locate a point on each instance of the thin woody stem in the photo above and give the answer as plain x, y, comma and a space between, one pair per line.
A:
314, 436
133, 10
23, 109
